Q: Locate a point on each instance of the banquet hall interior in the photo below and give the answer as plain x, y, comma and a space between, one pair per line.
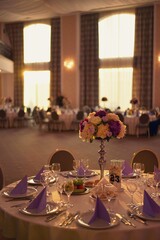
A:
63, 60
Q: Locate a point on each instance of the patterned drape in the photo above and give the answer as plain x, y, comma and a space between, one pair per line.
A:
15, 33
55, 67
89, 63
143, 56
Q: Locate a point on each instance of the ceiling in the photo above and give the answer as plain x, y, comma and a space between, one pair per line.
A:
26, 10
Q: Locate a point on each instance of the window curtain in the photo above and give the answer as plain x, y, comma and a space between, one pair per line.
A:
89, 63
143, 57
55, 67
15, 33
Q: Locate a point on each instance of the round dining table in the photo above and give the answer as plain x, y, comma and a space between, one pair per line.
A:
131, 121
15, 224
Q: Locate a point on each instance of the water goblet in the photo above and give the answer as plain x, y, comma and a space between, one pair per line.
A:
109, 192
56, 168
131, 187
85, 163
68, 189
137, 169
60, 188
153, 182
45, 180
76, 165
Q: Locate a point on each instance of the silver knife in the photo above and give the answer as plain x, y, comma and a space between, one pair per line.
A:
136, 217
125, 220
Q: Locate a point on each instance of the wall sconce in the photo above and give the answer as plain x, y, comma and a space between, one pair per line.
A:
69, 63
158, 58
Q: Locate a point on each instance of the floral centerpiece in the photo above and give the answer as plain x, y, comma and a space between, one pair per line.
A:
102, 126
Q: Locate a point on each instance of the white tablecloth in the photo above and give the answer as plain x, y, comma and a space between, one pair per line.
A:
23, 227
132, 121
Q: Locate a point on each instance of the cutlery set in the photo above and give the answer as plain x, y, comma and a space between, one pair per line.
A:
125, 220
136, 217
69, 219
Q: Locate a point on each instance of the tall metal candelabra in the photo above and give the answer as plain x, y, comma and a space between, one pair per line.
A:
102, 160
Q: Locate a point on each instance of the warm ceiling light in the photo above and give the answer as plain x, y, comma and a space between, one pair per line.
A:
69, 63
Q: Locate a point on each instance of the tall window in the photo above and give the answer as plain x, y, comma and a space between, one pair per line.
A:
37, 43
116, 46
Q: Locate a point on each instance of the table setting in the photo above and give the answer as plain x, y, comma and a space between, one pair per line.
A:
84, 212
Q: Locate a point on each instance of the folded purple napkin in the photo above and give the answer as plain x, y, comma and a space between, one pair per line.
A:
21, 187
38, 175
80, 171
156, 174
150, 207
127, 169
39, 203
100, 212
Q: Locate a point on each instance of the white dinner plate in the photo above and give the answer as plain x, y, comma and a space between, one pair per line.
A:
140, 213
50, 208
99, 223
37, 182
89, 173
30, 191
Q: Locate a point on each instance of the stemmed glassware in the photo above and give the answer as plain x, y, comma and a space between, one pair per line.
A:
45, 180
68, 189
76, 165
131, 187
85, 163
56, 168
137, 169
60, 188
109, 193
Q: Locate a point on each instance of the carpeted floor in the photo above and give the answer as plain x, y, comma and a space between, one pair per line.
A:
24, 151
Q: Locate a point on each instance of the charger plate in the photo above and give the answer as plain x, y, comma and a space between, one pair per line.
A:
138, 211
98, 223
30, 192
50, 209
37, 182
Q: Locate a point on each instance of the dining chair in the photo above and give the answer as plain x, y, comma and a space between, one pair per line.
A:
64, 157
143, 124
56, 123
19, 120
148, 158
120, 115
42, 119
3, 118
79, 117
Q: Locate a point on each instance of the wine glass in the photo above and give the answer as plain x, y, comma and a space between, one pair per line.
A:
153, 182
137, 169
85, 163
60, 188
76, 164
109, 193
56, 168
68, 189
131, 187
45, 180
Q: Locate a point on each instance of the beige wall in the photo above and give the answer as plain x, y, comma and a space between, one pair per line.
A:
70, 50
